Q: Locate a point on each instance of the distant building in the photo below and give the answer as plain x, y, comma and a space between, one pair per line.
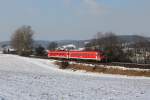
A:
67, 47
8, 49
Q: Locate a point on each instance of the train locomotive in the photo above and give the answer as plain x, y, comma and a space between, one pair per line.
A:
77, 55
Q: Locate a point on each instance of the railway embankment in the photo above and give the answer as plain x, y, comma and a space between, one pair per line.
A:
103, 68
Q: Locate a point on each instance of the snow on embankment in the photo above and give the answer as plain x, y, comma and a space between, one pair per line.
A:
106, 69
24, 78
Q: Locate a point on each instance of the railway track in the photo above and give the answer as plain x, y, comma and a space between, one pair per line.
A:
126, 65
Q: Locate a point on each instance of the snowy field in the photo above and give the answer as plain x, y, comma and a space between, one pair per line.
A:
37, 79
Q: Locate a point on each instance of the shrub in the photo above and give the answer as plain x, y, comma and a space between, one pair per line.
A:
64, 64
25, 53
40, 51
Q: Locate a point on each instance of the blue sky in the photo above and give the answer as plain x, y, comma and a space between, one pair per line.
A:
74, 19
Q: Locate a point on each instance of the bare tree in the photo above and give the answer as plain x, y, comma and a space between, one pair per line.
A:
108, 43
22, 40
52, 46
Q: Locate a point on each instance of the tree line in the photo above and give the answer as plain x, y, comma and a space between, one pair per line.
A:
116, 50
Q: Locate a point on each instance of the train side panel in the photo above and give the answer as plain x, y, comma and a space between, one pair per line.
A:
58, 54
90, 55
86, 55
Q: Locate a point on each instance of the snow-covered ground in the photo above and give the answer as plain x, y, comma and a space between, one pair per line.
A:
37, 79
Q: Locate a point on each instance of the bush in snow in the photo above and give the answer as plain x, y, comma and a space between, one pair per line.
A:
40, 51
64, 64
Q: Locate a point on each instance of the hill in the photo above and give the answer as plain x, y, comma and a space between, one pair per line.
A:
77, 43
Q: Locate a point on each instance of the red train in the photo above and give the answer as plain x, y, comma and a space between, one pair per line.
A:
86, 55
